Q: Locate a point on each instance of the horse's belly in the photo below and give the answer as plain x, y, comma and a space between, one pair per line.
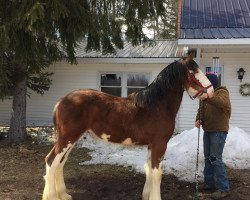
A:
118, 138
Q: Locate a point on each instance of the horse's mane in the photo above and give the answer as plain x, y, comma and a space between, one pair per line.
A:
167, 79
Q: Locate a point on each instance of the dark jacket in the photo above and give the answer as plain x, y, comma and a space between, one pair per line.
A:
216, 111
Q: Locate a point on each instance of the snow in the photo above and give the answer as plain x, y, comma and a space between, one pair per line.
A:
180, 157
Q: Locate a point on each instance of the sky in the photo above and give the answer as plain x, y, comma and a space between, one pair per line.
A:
180, 157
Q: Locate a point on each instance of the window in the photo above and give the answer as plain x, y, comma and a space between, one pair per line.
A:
124, 83
216, 68
136, 82
111, 84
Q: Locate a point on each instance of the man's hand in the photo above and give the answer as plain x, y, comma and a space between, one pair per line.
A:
204, 96
198, 123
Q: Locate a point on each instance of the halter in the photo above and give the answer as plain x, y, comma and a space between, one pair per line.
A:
203, 89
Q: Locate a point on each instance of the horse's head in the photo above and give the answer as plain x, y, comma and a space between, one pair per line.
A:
197, 85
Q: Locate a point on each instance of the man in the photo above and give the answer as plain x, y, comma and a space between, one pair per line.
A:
214, 116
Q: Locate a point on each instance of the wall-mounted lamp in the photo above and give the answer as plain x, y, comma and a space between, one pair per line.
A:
241, 73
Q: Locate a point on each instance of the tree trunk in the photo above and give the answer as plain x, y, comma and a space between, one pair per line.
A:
17, 132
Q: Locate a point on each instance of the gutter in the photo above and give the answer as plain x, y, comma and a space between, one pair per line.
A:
218, 42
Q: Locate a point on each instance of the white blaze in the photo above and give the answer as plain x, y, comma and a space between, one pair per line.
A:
201, 77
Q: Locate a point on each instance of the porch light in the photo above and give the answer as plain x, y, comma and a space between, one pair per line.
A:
241, 73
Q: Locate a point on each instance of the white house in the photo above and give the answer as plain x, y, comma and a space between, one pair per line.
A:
219, 48
220, 31
140, 63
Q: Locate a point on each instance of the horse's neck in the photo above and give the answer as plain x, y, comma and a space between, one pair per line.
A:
172, 102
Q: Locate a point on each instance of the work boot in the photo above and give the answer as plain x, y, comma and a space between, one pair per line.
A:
206, 188
219, 194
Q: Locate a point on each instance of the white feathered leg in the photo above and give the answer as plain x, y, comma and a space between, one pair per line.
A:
50, 192
59, 179
148, 172
155, 193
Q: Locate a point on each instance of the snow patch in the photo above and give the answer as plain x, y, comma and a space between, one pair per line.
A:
180, 157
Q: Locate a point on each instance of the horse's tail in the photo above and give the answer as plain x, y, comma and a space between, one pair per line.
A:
54, 116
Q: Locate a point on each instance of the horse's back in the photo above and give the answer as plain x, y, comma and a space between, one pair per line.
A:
88, 108
78, 102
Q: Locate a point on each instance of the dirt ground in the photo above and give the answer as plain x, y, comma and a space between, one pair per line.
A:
22, 169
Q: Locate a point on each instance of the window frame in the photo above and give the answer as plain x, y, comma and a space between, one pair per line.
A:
124, 76
212, 67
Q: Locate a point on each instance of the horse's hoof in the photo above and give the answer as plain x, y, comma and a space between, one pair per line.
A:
65, 196
50, 198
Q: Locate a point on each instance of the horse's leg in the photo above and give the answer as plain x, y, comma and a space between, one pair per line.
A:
53, 160
157, 154
59, 179
49, 191
148, 172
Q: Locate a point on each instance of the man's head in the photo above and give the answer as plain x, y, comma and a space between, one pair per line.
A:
213, 79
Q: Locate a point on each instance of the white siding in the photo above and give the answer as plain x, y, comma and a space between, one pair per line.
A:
187, 113
65, 79
240, 105
85, 75
5, 111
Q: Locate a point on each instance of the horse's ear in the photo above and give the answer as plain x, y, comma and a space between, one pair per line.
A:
190, 59
191, 54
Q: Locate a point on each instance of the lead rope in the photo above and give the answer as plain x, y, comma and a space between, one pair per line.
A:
197, 157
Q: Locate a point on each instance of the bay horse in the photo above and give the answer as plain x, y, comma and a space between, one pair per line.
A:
146, 117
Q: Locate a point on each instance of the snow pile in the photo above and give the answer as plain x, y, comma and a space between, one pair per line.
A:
180, 158
110, 153
237, 149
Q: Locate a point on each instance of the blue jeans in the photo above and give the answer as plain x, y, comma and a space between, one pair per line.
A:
214, 172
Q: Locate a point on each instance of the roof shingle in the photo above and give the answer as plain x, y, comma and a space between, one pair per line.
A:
158, 49
212, 19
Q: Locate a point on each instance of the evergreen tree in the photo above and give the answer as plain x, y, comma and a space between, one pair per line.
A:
168, 28
36, 33
165, 26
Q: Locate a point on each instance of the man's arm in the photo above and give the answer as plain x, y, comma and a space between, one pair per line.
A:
220, 100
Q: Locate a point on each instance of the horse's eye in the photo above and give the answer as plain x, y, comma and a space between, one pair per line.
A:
194, 69
195, 65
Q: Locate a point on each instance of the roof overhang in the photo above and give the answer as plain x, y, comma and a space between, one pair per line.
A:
214, 42
127, 60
